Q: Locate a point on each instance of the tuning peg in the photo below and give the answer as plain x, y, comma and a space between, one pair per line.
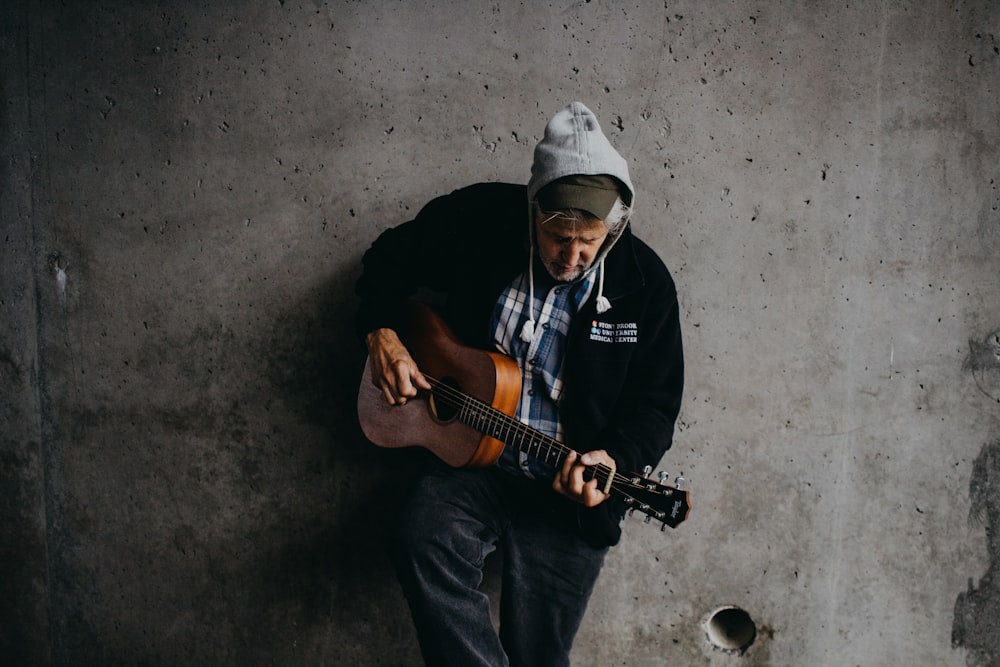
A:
679, 481
646, 470
664, 475
647, 519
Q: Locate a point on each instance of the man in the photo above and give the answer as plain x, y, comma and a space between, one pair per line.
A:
551, 276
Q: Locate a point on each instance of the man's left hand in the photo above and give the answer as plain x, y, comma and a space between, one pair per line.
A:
569, 481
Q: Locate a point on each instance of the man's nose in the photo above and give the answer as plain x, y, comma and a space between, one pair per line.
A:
573, 252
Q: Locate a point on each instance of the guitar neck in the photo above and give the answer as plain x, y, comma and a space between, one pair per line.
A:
508, 430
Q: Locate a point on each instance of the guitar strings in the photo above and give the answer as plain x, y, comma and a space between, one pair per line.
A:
495, 417
460, 400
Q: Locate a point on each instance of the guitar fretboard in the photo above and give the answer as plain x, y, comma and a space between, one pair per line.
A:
489, 421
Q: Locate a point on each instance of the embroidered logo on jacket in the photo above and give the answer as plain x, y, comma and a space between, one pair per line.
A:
614, 332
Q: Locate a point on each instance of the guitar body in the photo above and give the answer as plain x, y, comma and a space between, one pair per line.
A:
493, 378
467, 418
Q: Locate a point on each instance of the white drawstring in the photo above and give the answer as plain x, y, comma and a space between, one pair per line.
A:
528, 330
603, 305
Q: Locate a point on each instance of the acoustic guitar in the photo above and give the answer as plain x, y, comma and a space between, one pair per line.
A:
467, 418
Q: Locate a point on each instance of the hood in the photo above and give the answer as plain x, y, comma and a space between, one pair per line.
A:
574, 144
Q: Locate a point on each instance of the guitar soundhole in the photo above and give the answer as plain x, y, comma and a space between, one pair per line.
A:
445, 400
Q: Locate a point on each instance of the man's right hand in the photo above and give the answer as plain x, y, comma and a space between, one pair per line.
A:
394, 371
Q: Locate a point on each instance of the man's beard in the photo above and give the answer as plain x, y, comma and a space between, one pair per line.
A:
563, 275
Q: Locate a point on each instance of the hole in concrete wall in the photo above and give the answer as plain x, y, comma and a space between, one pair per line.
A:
731, 629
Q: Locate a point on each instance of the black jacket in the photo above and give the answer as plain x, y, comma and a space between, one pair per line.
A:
624, 369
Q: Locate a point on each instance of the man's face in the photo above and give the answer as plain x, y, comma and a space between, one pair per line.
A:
568, 242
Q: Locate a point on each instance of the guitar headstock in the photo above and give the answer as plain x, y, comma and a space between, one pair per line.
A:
667, 504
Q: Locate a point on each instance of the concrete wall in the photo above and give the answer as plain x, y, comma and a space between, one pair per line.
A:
187, 188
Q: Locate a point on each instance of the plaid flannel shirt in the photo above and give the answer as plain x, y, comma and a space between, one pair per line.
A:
541, 360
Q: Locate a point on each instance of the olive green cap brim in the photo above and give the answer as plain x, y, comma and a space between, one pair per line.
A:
594, 194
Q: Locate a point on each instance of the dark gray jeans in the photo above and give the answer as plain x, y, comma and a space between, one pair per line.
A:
454, 519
